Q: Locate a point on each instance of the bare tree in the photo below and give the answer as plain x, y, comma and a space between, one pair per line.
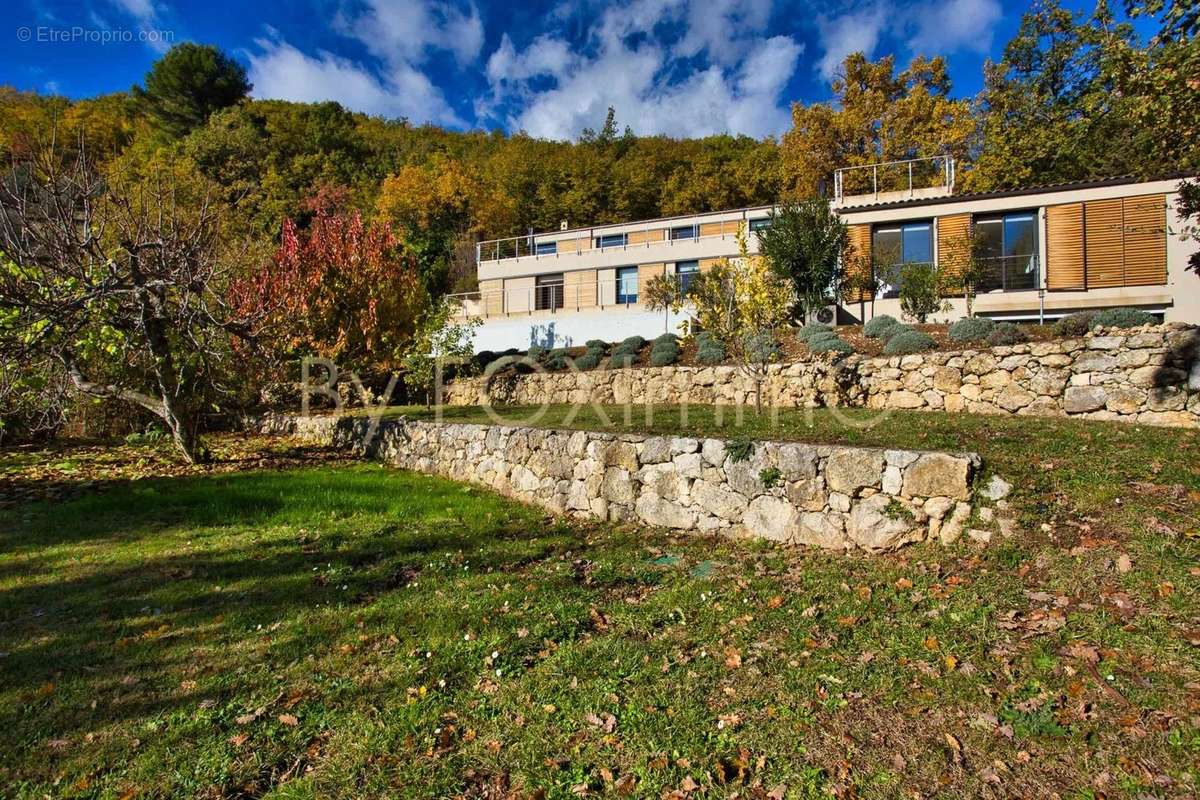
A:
116, 277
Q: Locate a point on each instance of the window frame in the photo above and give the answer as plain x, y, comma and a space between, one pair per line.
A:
684, 278
539, 248
626, 299
557, 298
693, 232
1006, 259
889, 290
602, 245
759, 223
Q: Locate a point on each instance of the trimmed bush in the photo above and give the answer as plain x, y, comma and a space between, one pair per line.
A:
712, 354
596, 344
556, 360
1121, 318
631, 345
812, 330
830, 344
666, 338
909, 341
762, 347
970, 329
484, 357
620, 360
877, 327
664, 355
821, 335
536, 352
705, 337
1006, 333
898, 328
1074, 324
589, 360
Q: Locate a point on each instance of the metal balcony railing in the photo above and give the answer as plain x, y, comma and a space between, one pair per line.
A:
1015, 273
552, 298
914, 177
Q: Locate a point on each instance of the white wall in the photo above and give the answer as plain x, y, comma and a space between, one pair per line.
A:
573, 328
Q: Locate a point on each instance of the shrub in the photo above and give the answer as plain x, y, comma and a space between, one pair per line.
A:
909, 341
1121, 318
835, 344
484, 357
596, 344
896, 329
811, 330
970, 329
589, 360
620, 360
630, 345
877, 326
1074, 324
536, 352
920, 291
1006, 333
821, 336
666, 338
663, 356
556, 360
704, 338
712, 354
762, 347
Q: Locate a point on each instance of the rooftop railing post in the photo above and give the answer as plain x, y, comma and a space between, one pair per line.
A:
910, 185
875, 179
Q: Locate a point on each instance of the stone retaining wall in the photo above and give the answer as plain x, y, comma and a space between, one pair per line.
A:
828, 496
1147, 375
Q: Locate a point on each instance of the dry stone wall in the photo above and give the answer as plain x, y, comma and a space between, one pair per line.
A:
1148, 375
827, 496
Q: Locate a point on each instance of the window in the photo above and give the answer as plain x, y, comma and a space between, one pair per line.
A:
627, 285
759, 224
545, 248
685, 271
685, 232
548, 292
893, 246
611, 240
1010, 243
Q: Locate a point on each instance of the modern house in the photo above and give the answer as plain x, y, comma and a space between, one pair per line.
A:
1051, 250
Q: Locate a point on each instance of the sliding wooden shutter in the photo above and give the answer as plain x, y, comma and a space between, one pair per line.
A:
1145, 240
1064, 247
1104, 243
859, 255
953, 247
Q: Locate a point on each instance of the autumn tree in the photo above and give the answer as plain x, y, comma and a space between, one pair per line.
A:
442, 338
876, 115
339, 288
118, 278
741, 301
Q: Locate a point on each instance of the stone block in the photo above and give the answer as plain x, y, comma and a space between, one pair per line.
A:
771, 518
847, 471
1082, 399
938, 475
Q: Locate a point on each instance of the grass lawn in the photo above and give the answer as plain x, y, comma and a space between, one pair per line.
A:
355, 631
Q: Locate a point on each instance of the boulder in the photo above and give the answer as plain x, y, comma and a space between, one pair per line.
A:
771, 518
938, 475
1082, 399
873, 526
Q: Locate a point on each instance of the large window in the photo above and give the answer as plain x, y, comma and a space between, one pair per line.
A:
548, 292
684, 232
545, 248
762, 223
685, 271
611, 240
894, 246
1010, 244
627, 285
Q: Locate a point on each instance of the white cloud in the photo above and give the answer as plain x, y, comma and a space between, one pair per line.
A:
406, 30
280, 71
145, 14
853, 33
625, 63
953, 25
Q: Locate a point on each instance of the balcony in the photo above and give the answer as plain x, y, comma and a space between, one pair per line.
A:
552, 298
893, 181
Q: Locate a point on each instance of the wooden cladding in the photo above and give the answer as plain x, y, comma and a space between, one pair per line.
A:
727, 228
643, 237
579, 289
491, 297
1125, 241
1064, 247
647, 273
1145, 240
859, 256
953, 248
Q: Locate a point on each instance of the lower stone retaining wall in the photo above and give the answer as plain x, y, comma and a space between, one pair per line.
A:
1149, 375
828, 496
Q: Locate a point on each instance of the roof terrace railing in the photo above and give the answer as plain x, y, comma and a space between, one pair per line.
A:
910, 178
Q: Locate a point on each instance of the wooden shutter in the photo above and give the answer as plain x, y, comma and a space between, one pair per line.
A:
1104, 243
708, 263
647, 273
1064, 247
859, 255
491, 297
580, 289
1145, 240
953, 247
642, 237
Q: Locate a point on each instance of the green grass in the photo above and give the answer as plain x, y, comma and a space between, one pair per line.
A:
432, 640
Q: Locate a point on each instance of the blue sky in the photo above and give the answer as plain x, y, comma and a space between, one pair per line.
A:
549, 67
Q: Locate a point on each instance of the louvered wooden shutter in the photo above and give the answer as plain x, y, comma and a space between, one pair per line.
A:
1064, 247
860, 255
953, 248
1145, 240
1104, 243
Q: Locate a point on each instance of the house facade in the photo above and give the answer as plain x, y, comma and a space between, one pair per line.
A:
1049, 251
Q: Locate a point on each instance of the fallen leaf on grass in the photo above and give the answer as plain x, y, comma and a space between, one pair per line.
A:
733, 658
775, 602
289, 720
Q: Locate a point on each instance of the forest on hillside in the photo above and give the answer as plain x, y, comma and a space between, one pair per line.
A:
339, 232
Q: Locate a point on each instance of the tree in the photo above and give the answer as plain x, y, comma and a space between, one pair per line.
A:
805, 243
189, 83
441, 338
741, 301
966, 262
119, 275
921, 291
876, 115
1188, 209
